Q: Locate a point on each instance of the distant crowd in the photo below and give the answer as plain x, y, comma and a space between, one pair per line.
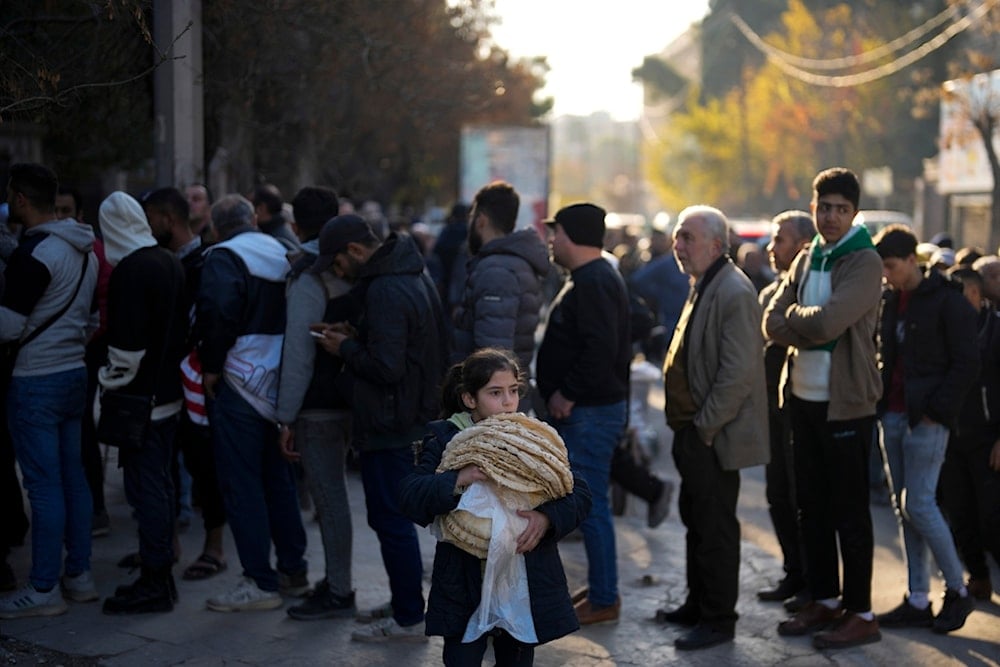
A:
242, 353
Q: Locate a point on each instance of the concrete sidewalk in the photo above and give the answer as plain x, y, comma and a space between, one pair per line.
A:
651, 568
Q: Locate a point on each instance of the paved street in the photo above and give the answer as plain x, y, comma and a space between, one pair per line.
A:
651, 564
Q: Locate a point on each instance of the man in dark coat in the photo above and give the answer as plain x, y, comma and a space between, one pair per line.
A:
394, 360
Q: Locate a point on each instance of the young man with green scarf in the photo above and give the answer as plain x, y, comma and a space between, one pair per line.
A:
826, 311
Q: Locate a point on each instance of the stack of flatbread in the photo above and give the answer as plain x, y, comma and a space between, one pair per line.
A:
524, 458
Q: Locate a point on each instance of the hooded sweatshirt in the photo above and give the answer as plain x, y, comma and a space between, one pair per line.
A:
41, 278
123, 226
145, 337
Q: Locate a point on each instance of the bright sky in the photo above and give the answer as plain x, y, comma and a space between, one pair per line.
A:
593, 46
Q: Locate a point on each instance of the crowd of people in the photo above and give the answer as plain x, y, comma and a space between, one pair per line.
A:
266, 341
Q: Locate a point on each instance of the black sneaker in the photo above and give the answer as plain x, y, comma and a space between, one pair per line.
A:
150, 593
907, 616
123, 590
953, 612
322, 603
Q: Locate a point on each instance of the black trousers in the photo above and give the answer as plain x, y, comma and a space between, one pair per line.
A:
969, 494
90, 453
195, 442
707, 504
507, 651
779, 476
831, 477
13, 520
149, 489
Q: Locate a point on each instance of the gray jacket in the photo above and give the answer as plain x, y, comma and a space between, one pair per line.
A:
503, 297
41, 277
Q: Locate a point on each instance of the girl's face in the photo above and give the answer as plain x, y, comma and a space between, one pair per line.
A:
501, 394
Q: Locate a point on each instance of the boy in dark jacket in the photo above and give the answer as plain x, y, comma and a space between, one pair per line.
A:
928, 366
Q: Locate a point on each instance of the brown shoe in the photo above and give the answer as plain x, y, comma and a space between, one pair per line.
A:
812, 617
588, 614
851, 630
981, 589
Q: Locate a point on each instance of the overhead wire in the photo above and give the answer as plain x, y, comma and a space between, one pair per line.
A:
877, 53
875, 73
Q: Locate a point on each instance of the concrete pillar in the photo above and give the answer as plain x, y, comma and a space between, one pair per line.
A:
178, 94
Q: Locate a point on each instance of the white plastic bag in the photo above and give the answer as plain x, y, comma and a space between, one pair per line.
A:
505, 602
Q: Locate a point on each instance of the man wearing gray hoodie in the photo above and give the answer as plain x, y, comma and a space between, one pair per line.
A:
47, 309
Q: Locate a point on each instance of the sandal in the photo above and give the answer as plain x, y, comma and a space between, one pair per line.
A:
205, 567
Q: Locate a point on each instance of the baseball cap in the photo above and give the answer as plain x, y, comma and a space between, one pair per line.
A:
335, 236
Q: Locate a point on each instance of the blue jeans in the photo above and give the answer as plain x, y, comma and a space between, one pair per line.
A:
382, 471
591, 434
45, 414
914, 458
322, 439
149, 489
257, 489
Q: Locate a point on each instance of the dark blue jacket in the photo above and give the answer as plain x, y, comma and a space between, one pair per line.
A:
393, 369
940, 361
457, 579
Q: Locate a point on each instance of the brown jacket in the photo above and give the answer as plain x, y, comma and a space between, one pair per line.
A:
725, 371
850, 316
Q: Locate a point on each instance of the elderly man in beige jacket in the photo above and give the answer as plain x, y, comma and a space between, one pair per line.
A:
717, 407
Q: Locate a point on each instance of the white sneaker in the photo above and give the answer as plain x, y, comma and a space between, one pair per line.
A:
30, 602
388, 630
384, 610
246, 596
79, 588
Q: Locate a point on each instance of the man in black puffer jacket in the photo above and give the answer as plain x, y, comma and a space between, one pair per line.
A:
503, 292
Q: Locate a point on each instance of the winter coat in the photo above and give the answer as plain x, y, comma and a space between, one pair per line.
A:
393, 368
457, 577
241, 315
503, 297
940, 363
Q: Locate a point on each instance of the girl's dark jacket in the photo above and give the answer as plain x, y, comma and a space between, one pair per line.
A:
457, 580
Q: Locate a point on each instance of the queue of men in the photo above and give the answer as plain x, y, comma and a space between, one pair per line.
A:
266, 341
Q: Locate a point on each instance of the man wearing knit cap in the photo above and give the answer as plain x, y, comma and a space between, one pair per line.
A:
582, 370
147, 327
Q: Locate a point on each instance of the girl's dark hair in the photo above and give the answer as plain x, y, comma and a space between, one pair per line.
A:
472, 375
